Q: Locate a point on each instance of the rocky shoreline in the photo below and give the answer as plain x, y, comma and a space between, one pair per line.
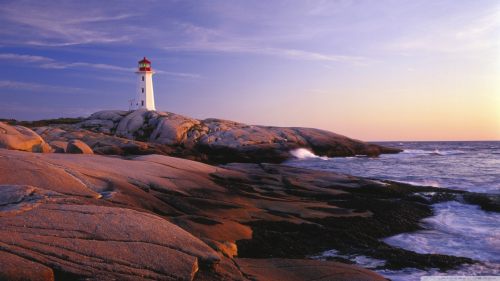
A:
210, 140
83, 216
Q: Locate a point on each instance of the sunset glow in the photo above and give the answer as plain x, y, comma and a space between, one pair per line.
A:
372, 70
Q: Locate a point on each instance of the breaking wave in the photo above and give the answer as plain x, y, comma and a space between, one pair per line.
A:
423, 182
432, 152
456, 229
304, 153
453, 226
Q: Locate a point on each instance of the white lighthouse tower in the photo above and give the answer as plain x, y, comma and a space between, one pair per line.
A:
145, 98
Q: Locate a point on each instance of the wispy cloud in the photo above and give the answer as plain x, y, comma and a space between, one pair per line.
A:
66, 65
179, 74
278, 52
102, 66
36, 87
453, 35
49, 63
263, 41
60, 24
24, 58
203, 39
58, 65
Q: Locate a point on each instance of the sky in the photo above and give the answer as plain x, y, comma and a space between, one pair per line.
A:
371, 70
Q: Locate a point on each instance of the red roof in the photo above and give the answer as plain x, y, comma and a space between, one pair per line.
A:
144, 60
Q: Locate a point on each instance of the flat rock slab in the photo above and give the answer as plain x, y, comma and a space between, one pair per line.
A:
19, 168
92, 216
14, 194
16, 268
20, 198
104, 243
304, 270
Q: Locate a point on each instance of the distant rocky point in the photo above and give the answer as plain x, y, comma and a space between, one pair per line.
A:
209, 140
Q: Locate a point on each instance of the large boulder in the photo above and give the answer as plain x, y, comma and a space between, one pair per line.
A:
111, 115
59, 146
99, 142
21, 138
172, 129
131, 123
78, 147
105, 126
43, 148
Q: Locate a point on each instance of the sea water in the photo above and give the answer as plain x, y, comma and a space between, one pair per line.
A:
456, 228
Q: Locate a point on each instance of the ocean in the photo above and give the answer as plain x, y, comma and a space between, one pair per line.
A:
456, 228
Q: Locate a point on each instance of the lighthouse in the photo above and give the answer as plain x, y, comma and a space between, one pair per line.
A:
145, 98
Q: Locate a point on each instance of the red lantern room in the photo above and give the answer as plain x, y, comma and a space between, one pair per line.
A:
144, 65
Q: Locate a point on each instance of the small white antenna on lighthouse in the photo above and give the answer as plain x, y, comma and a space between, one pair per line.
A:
131, 105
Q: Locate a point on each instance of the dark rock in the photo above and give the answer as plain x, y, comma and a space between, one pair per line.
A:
17, 268
300, 269
487, 202
78, 147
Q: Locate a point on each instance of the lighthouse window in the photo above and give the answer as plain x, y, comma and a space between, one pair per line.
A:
142, 103
143, 78
143, 90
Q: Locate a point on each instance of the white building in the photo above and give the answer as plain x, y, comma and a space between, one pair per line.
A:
145, 98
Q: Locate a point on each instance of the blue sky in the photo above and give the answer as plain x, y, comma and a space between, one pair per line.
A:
374, 70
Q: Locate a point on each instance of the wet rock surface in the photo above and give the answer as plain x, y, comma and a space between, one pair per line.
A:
154, 217
487, 202
304, 270
361, 213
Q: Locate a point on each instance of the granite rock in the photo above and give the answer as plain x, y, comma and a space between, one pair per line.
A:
59, 146
94, 217
20, 138
222, 141
78, 147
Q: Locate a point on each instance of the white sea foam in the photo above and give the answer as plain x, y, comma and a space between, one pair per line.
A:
424, 182
360, 260
413, 274
304, 153
456, 229
432, 152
